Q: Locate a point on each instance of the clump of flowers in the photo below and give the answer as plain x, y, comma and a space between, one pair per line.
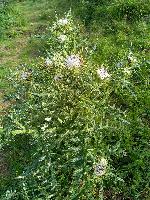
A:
73, 61
102, 73
100, 168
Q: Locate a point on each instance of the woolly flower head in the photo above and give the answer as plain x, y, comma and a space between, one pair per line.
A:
62, 38
24, 75
62, 22
48, 62
73, 61
100, 168
102, 73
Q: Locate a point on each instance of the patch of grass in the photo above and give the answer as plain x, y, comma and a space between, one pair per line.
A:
11, 20
20, 23
3, 74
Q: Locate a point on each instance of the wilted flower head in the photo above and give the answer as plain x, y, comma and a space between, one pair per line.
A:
63, 21
102, 73
119, 64
57, 77
62, 38
73, 61
48, 62
100, 168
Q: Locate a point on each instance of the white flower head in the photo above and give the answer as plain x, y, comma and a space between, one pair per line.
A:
100, 168
62, 38
124, 153
48, 119
127, 71
24, 75
48, 62
102, 73
73, 61
131, 58
44, 127
63, 21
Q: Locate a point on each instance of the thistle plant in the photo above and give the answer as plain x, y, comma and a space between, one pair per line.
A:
67, 105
